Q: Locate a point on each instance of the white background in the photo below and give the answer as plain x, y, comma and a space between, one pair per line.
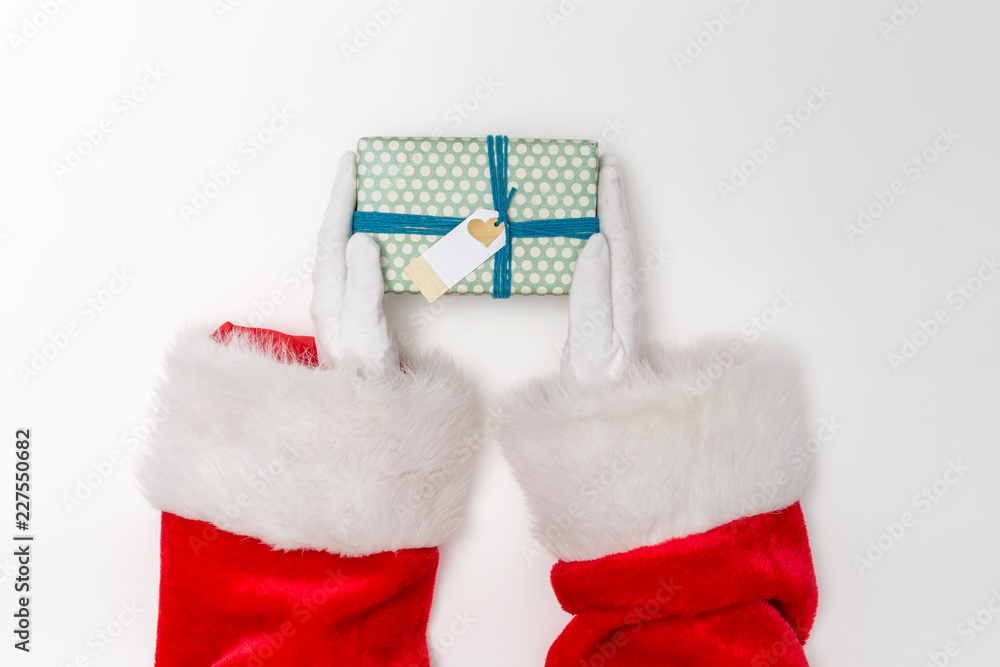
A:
608, 64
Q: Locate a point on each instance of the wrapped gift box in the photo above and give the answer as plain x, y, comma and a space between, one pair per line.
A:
448, 177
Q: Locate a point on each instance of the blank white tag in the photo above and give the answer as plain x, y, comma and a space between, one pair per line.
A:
457, 254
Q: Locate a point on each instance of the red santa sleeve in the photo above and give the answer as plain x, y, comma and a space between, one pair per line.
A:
671, 498
302, 507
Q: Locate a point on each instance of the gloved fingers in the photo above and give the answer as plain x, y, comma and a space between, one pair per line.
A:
364, 333
593, 350
614, 225
330, 272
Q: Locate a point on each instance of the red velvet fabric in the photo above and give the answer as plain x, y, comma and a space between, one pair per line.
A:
233, 601
301, 349
228, 601
740, 594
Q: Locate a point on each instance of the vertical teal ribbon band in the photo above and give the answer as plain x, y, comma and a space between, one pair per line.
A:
498, 147
499, 150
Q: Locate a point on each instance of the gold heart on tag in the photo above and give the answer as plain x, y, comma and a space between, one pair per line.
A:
484, 231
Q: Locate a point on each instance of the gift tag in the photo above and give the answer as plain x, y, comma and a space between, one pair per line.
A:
457, 254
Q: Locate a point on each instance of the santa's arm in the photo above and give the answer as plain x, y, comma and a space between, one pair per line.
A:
305, 491
665, 481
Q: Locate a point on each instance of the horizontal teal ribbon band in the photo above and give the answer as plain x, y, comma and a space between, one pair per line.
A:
375, 222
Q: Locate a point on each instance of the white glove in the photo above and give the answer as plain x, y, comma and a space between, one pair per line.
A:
604, 305
626, 448
348, 287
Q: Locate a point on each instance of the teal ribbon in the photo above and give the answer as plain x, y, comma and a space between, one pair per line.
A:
376, 222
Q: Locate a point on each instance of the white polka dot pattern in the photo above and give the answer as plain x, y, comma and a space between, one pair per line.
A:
450, 177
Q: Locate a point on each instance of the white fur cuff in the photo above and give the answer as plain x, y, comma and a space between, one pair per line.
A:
685, 443
307, 458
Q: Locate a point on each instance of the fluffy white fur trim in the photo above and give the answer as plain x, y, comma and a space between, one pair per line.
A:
308, 458
689, 440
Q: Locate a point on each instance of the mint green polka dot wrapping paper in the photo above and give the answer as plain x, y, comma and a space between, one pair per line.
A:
451, 177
